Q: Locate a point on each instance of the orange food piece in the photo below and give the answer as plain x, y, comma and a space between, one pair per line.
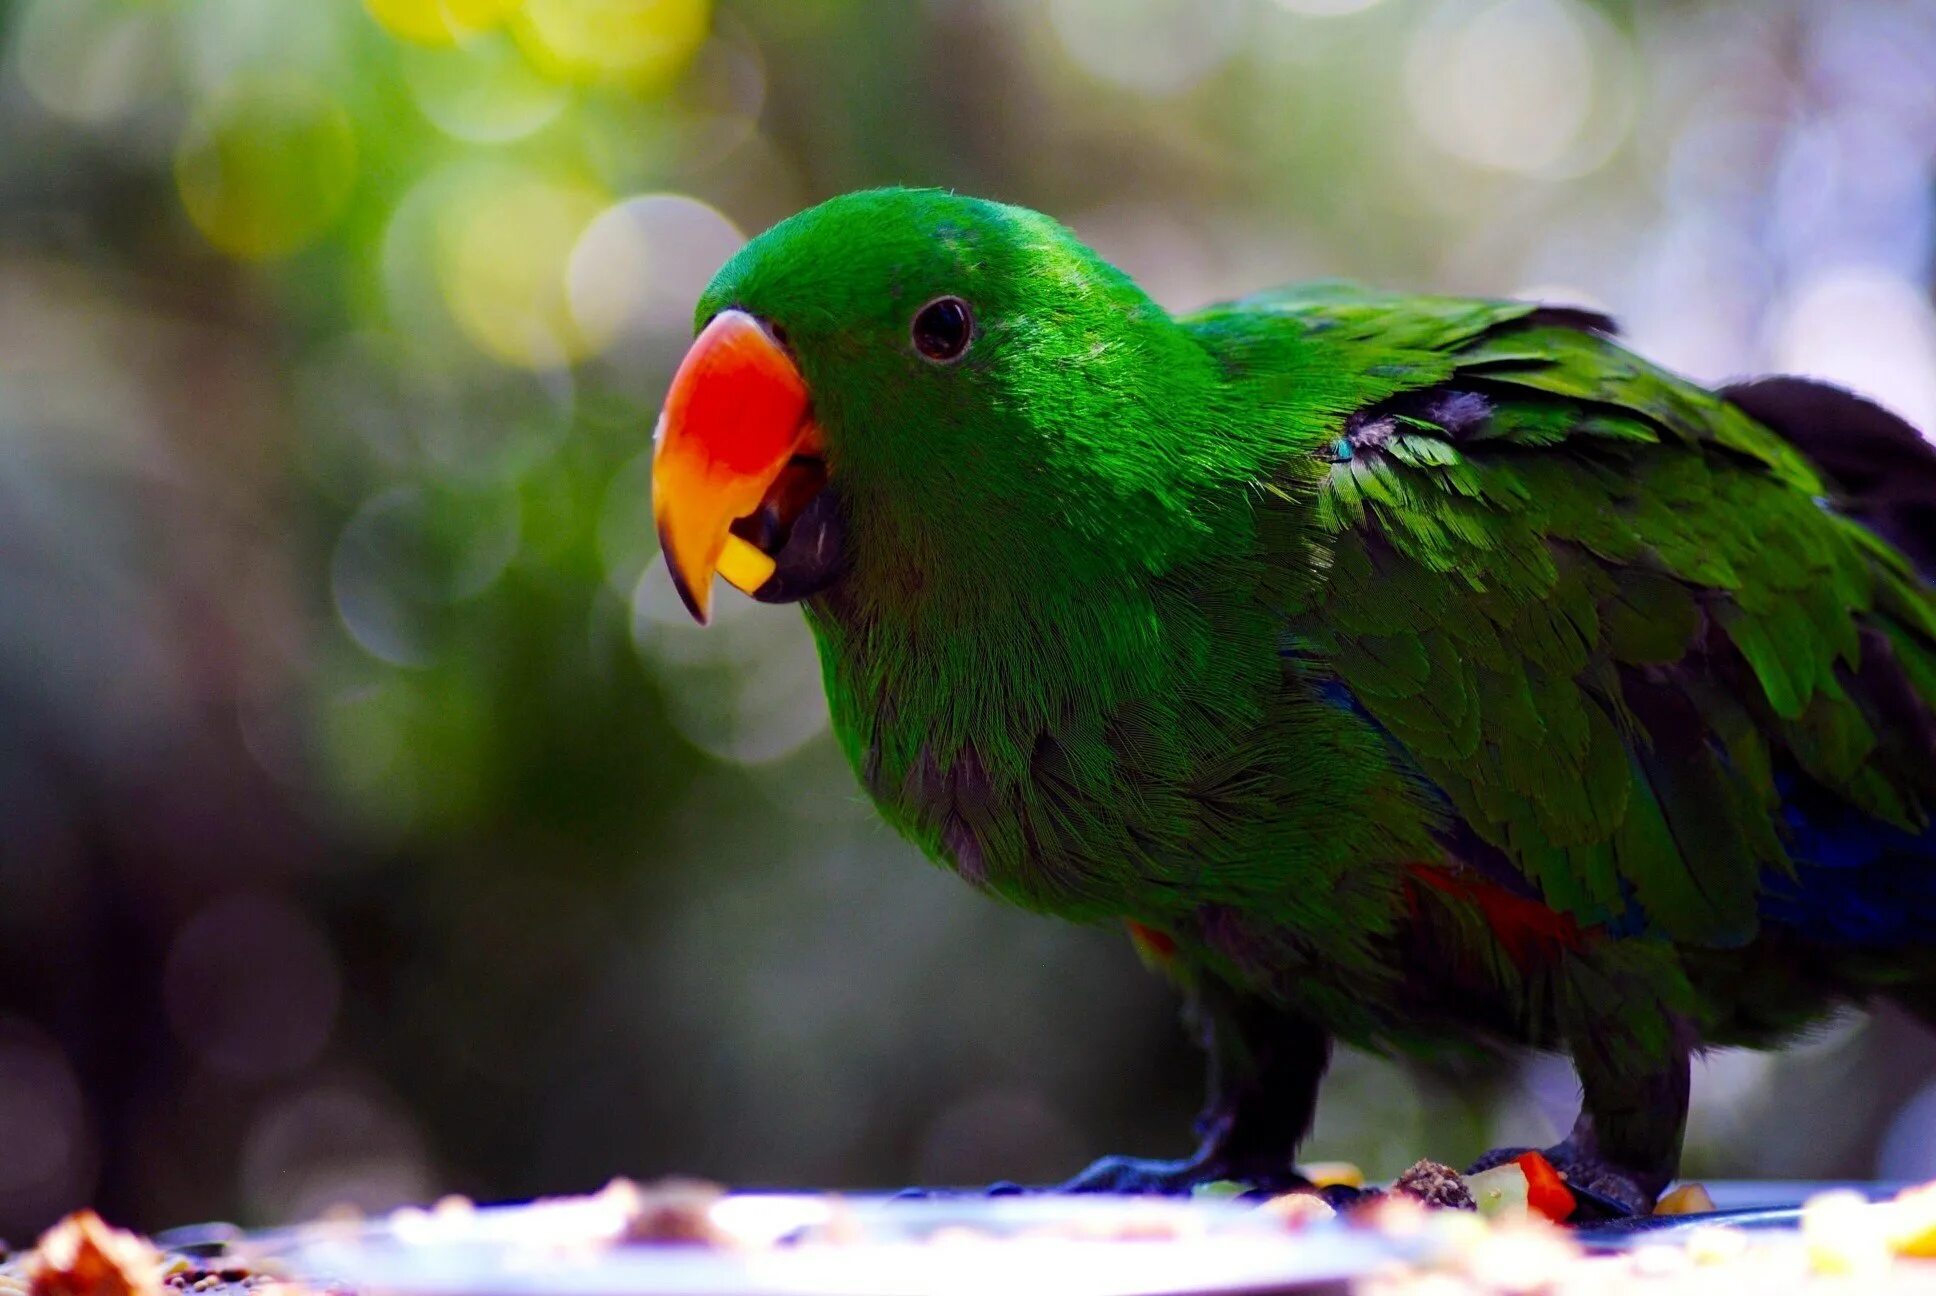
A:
1546, 1191
82, 1256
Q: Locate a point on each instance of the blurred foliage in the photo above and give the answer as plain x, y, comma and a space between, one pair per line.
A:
377, 826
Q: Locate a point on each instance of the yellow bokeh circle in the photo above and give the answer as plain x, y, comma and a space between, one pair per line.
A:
265, 168
503, 249
643, 42
439, 22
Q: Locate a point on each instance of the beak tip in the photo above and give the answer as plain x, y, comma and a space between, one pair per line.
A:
695, 606
695, 598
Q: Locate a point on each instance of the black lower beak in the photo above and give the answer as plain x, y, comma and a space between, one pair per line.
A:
814, 555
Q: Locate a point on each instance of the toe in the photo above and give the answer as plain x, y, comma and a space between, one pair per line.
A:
1132, 1175
1178, 1178
1607, 1194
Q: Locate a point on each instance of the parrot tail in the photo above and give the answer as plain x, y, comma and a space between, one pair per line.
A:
1862, 884
1886, 469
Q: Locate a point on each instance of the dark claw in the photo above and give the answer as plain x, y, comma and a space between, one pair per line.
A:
1598, 1202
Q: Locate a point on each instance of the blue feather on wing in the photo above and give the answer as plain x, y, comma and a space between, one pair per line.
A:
1857, 881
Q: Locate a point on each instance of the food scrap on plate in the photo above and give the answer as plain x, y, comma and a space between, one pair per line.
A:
1431, 1230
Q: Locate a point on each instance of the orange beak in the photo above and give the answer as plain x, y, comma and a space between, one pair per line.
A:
735, 417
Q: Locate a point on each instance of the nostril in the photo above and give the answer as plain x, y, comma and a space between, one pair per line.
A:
778, 332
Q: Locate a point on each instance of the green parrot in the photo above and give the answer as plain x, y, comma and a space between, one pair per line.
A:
1415, 672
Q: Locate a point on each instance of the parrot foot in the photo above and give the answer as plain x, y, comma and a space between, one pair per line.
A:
1137, 1177
1605, 1191
1149, 1177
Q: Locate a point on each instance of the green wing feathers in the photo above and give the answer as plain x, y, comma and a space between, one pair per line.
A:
1606, 613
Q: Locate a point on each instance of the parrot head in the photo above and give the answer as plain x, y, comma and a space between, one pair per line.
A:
915, 380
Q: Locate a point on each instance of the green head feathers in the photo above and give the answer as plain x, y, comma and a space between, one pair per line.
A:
1055, 435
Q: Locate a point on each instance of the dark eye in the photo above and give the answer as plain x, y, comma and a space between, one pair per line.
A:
943, 328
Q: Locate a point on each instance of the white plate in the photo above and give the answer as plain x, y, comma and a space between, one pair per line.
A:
1003, 1246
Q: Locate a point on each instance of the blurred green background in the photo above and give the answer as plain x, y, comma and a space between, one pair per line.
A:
372, 823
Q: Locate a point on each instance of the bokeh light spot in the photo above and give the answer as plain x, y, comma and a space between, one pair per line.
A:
1157, 47
380, 402
643, 263
227, 40
1324, 8
89, 60
1506, 84
414, 303
49, 1161
266, 167
501, 264
484, 91
1867, 329
406, 552
251, 987
643, 42
745, 689
342, 1142
439, 22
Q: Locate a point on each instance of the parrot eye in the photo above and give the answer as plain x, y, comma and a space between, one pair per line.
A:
943, 328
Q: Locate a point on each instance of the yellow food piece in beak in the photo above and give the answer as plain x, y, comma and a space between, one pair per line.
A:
744, 567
